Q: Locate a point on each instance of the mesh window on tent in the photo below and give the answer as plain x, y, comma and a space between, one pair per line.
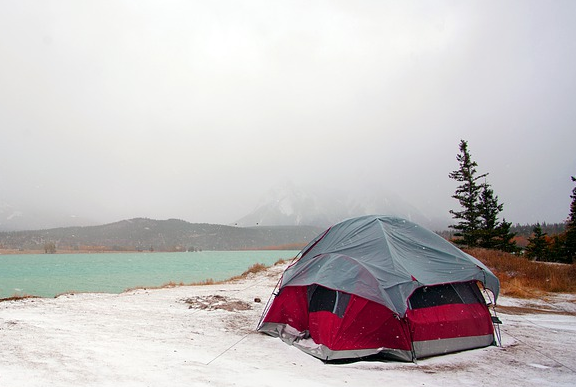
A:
324, 299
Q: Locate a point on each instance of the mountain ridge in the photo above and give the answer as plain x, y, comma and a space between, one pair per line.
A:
144, 234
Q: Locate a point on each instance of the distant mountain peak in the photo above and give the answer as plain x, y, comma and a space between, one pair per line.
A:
292, 205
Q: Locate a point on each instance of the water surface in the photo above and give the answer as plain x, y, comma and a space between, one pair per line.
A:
47, 275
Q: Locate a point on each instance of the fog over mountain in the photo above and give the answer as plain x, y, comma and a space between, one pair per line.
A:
192, 110
289, 204
15, 217
286, 204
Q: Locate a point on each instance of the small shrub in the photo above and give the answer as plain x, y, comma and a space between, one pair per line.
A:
255, 268
281, 261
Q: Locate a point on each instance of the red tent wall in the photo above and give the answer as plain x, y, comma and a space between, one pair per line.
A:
449, 328
290, 307
365, 324
449, 321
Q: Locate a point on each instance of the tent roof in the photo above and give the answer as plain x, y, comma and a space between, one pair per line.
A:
384, 259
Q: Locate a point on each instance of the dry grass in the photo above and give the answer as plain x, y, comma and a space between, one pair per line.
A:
16, 297
172, 284
520, 277
255, 268
207, 281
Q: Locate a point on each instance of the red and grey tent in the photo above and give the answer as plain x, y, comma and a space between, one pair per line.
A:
380, 286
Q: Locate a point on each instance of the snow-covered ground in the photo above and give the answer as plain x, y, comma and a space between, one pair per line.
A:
205, 336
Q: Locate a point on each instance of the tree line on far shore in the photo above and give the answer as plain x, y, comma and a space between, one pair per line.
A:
478, 224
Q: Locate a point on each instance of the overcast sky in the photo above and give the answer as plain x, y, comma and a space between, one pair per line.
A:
195, 109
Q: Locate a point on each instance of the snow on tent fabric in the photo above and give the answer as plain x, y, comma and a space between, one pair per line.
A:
385, 287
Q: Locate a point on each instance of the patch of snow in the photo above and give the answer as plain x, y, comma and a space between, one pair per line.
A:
167, 337
285, 206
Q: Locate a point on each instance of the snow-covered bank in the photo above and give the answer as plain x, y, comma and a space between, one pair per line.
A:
205, 336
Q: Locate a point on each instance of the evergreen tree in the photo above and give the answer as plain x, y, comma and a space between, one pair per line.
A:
492, 233
538, 247
467, 194
488, 210
505, 238
570, 244
478, 224
557, 250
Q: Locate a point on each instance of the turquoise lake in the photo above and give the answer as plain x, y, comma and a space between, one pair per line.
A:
47, 275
